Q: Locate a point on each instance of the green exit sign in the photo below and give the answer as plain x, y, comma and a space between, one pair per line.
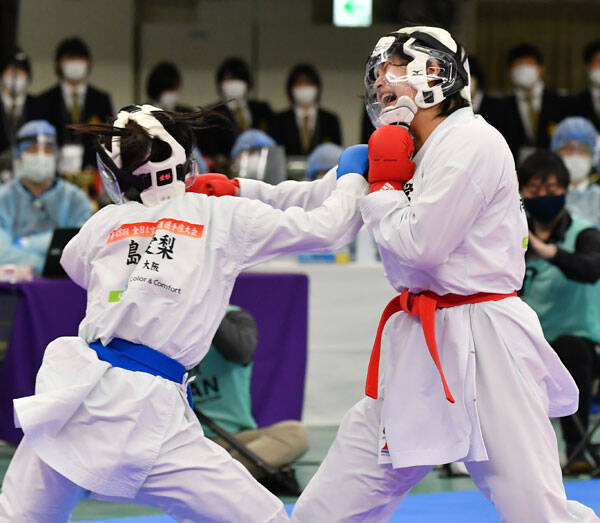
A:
352, 13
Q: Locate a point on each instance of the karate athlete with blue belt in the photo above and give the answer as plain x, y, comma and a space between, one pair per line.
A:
110, 417
467, 373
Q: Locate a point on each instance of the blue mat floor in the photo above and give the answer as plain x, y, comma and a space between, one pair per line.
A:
447, 507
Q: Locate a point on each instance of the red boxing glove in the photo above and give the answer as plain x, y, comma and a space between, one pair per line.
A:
390, 149
213, 184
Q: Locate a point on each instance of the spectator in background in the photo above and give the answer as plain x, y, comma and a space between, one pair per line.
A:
35, 202
305, 125
574, 140
561, 282
255, 155
16, 108
221, 391
234, 82
482, 103
530, 114
74, 100
322, 159
163, 87
587, 103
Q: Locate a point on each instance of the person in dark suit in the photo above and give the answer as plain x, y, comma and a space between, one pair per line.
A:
484, 104
530, 114
163, 87
305, 125
17, 106
587, 103
238, 113
73, 99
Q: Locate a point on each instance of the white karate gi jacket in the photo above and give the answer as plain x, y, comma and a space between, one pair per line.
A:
161, 276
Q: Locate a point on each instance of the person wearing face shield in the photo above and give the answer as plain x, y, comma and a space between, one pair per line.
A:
256, 156
112, 416
35, 203
587, 103
562, 283
467, 373
74, 100
305, 125
575, 141
530, 114
17, 106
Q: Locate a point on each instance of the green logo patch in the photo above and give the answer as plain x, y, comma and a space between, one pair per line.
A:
114, 296
525, 242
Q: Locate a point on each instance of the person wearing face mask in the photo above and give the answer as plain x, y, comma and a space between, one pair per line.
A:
73, 100
256, 156
587, 103
234, 83
163, 87
574, 140
16, 108
305, 125
530, 113
562, 282
35, 203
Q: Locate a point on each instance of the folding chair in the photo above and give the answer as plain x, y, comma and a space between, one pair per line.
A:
276, 479
586, 439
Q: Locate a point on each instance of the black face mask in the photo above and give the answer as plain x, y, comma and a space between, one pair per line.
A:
545, 208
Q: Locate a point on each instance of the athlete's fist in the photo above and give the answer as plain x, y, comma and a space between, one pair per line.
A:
355, 159
214, 184
390, 149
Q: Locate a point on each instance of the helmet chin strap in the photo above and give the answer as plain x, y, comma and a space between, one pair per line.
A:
402, 113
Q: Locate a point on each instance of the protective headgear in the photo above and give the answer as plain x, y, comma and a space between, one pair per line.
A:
574, 128
425, 48
323, 158
258, 157
35, 166
155, 181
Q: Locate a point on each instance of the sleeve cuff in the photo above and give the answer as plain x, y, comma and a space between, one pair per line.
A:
377, 204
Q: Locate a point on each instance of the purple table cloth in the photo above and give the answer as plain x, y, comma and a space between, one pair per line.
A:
48, 309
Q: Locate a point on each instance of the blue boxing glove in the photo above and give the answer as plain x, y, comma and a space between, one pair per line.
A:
355, 159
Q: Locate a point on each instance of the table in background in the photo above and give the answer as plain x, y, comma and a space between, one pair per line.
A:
48, 309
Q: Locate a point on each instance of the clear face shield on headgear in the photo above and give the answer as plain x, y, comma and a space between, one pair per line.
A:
154, 181
35, 158
267, 164
415, 67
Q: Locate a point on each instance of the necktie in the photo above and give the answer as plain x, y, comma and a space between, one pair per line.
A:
533, 116
239, 118
305, 134
75, 108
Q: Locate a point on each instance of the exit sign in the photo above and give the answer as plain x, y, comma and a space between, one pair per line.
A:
352, 13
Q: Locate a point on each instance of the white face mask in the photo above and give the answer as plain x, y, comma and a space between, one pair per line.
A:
525, 76
305, 96
402, 112
235, 89
37, 167
75, 70
15, 85
168, 99
578, 165
594, 76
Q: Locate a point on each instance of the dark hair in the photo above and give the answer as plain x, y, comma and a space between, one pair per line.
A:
524, 51
74, 47
237, 68
590, 50
17, 59
477, 71
543, 164
164, 77
299, 70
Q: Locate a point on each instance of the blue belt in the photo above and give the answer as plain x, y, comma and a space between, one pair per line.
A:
136, 357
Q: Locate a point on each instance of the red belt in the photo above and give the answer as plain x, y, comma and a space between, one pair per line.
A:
424, 306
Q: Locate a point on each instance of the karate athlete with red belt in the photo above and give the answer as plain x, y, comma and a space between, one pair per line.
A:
110, 418
467, 374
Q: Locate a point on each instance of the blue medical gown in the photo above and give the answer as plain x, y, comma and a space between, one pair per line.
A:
585, 204
27, 222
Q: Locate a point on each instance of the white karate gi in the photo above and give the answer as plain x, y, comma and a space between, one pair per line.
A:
130, 435
460, 230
